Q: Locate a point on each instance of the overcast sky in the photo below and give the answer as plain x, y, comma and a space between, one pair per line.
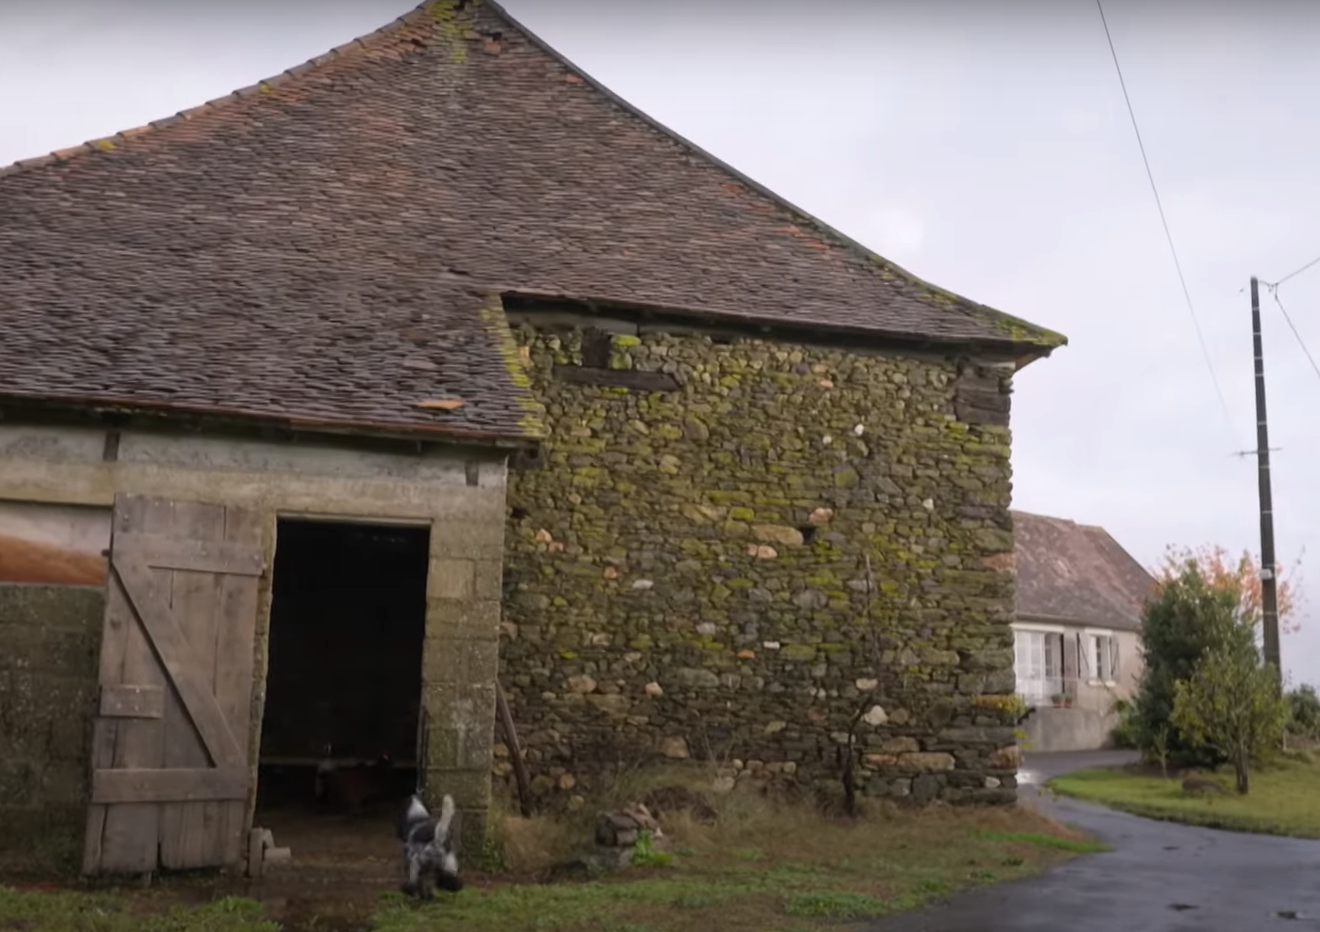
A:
982, 145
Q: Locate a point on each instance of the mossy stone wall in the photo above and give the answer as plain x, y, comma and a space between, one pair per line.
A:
50, 640
797, 551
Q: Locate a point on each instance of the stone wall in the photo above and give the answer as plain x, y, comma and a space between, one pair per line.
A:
762, 555
51, 637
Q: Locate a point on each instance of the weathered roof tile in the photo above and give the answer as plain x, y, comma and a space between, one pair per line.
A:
1078, 573
262, 253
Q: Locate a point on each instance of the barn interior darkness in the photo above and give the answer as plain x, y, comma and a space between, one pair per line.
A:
347, 621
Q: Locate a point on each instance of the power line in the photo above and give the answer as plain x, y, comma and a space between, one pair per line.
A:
1293, 274
1159, 204
1274, 290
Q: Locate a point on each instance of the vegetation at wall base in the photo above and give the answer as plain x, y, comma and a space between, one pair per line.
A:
759, 866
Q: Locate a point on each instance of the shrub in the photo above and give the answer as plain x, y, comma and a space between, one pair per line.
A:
1126, 733
1304, 712
1232, 703
1187, 619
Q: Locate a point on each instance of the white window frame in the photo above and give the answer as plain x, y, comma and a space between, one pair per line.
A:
1092, 637
1051, 685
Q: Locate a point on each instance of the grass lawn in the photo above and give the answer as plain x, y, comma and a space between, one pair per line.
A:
1284, 797
39, 910
758, 868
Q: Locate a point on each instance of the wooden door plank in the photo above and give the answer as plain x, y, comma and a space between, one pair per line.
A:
235, 656
184, 842
129, 841
119, 622
172, 791
179, 660
181, 786
202, 554
132, 701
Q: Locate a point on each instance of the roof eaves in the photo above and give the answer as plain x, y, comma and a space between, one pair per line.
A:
1015, 329
744, 319
358, 426
1116, 623
1047, 619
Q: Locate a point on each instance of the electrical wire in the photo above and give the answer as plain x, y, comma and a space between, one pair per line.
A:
1274, 290
1294, 274
1168, 236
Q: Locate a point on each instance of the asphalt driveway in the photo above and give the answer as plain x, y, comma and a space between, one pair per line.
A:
1160, 877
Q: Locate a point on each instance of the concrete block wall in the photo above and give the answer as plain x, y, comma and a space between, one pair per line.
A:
1050, 729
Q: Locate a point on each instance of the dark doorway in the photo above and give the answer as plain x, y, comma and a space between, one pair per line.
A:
343, 682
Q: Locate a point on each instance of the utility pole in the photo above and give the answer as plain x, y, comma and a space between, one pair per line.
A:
1269, 584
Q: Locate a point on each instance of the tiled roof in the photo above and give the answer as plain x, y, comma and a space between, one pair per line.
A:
281, 251
1078, 573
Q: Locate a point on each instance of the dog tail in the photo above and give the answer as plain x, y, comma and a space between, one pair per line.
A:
447, 810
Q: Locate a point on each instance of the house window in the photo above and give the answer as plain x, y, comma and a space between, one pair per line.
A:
1038, 664
1102, 657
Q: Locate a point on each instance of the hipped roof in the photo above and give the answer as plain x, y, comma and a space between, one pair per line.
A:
328, 248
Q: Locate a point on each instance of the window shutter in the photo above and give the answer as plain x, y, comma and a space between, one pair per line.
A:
1113, 658
1088, 653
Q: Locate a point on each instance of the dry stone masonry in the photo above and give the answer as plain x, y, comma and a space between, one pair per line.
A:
779, 553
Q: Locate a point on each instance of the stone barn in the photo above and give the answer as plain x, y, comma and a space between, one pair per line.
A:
429, 365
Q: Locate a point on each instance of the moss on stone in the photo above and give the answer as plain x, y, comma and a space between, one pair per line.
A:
798, 652
675, 487
48, 682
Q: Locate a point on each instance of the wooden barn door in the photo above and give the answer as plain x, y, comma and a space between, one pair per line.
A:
170, 768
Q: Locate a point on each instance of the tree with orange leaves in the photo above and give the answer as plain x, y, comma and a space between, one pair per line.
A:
1238, 578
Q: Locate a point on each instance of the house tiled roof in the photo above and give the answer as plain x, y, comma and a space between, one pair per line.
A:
290, 251
1077, 573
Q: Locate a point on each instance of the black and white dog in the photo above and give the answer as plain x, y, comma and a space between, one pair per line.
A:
428, 849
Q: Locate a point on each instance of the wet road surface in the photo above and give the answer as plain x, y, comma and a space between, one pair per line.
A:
1160, 877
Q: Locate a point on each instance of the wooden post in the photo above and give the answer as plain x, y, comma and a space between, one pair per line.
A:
1269, 581
515, 752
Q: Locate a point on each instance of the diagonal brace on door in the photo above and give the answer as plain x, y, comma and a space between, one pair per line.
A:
171, 647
